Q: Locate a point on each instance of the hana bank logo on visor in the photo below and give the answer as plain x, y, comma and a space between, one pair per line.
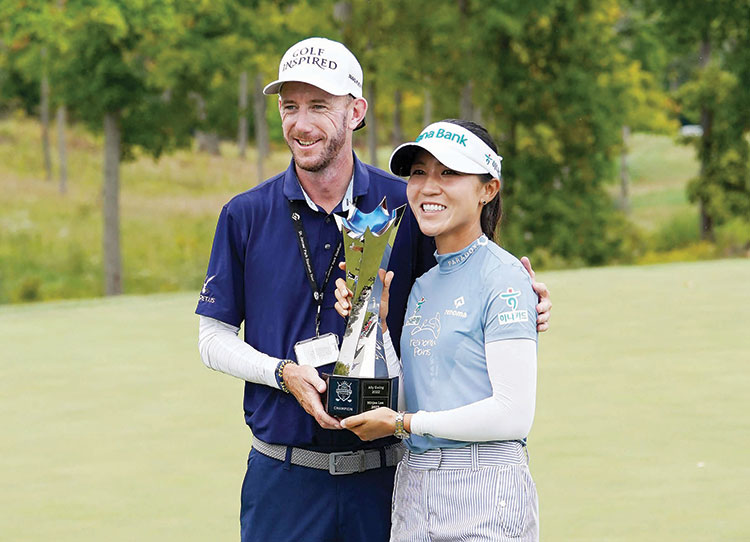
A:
454, 146
442, 133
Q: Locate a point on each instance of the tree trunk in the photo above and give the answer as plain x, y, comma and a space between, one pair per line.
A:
624, 173
111, 206
207, 141
427, 112
372, 125
466, 105
61, 149
707, 119
342, 13
242, 124
261, 125
477, 114
44, 114
397, 135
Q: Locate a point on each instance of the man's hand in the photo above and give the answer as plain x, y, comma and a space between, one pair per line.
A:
545, 302
306, 385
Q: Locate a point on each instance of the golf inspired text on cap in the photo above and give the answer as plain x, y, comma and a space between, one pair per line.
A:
453, 146
323, 63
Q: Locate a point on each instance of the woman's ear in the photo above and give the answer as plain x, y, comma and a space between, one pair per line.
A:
490, 189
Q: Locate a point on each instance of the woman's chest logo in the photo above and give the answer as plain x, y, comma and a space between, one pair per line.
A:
424, 336
415, 318
432, 326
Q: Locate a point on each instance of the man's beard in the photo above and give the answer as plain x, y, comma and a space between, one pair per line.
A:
331, 150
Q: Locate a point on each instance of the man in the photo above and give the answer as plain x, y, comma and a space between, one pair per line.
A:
273, 265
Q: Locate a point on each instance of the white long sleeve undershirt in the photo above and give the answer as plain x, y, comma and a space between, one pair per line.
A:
506, 415
222, 350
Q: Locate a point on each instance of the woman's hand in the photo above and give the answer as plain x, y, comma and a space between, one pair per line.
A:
344, 295
372, 424
386, 278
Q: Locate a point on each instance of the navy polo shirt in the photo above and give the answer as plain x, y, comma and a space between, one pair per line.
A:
256, 274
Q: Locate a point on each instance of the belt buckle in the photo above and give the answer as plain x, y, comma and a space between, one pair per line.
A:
332, 462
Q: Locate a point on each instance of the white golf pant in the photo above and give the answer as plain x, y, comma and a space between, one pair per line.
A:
483, 492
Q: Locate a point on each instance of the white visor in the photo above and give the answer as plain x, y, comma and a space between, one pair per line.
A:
453, 146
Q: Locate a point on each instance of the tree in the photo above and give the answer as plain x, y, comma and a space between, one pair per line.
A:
44, 113
718, 34
723, 186
646, 103
552, 89
109, 71
29, 33
242, 123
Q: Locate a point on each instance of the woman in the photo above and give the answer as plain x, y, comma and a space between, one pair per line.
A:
468, 351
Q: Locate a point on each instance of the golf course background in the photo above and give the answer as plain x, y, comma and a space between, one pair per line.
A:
50, 245
114, 430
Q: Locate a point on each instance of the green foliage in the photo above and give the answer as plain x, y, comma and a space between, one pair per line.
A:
694, 252
554, 101
733, 237
724, 184
50, 246
110, 62
16, 91
678, 232
25, 51
717, 92
553, 80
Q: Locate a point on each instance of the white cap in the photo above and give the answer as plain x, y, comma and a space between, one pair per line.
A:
323, 63
453, 146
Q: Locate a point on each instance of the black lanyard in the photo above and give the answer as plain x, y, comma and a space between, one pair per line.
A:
304, 250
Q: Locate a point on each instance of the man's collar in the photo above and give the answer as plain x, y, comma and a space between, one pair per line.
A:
345, 203
358, 185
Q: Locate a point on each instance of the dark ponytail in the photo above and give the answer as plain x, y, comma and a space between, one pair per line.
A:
492, 212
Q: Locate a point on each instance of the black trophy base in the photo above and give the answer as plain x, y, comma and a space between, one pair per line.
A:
347, 395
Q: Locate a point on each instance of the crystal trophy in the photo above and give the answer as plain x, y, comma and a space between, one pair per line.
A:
360, 380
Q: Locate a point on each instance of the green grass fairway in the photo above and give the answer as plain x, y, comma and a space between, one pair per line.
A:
642, 429
660, 169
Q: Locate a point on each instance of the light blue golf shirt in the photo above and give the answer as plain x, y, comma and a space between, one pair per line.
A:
472, 297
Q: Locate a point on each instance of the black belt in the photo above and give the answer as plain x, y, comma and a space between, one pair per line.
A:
334, 462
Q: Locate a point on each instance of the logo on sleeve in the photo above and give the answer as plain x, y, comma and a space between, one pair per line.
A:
205, 293
513, 316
